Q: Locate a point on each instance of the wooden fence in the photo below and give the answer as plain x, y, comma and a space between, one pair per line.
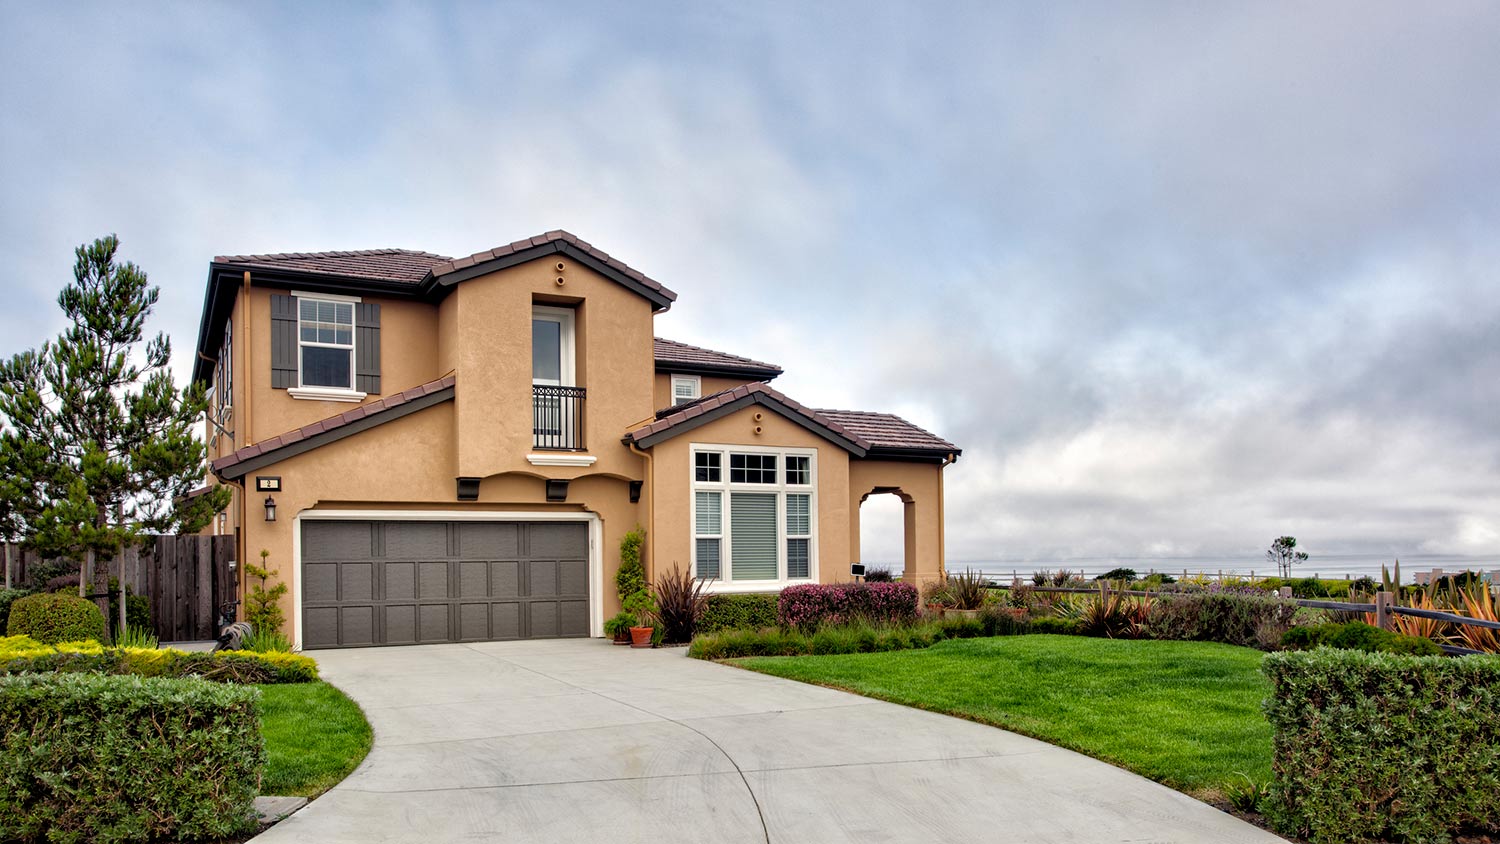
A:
186, 579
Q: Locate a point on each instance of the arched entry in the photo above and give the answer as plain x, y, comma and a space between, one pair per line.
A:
882, 515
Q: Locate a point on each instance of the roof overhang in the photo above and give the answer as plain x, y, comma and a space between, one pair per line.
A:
660, 300
756, 397
753, 373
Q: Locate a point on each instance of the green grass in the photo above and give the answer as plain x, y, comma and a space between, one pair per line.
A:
315, 736
1186, 714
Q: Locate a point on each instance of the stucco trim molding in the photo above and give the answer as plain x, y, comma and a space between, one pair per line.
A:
325, 394
561, 459
596, 545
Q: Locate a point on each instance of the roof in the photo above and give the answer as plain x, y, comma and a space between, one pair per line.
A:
672, 356
324, 431
394, 273
407, 266
888, 432
673, 421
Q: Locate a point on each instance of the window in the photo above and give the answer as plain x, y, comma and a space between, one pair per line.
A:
552, 346
685, 388
752, 528
752, 468
223, 389
325, 331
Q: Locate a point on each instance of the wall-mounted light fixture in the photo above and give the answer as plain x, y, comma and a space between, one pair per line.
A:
635, 491
468, 489
270, 509
557, 490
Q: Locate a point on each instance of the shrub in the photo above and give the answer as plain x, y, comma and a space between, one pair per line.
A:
1230, 617
619, 624
813, 604
1372, 746
120, 759
724, 612
679, 604
1127, 575
7, 597
1358, 636
269, 641
968, 590
1061, 626
136, 637
55, 617
262, 605
137, 608
879, 575
21, 655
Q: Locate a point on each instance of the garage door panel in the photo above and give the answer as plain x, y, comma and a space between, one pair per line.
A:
543, 578
434, 620
432, 582
557, 541
505, 579
357, 625
422, 540
338, 541
488, 540
395, 582
356, 581
401, 624
573, 618
400, 581
505, 620
320, 582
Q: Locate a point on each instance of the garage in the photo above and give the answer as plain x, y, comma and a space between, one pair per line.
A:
374, 583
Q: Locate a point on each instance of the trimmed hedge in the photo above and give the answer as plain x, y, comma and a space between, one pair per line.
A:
1374, 746
1358, 636
730, 612
89, 758
7, 597
809, 605
854, 637
20, 655
52, 617
1228, 617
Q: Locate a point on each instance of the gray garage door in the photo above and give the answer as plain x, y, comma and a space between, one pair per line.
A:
408, 583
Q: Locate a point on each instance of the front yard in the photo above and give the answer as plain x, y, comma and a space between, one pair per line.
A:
315, 736
1186, 714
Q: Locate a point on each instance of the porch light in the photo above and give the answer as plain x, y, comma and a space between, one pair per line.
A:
557, 490
270, 509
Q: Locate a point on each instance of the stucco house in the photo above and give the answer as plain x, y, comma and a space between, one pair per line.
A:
436, 449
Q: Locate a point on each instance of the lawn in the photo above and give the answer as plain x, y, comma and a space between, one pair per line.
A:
315, 736
1186, 714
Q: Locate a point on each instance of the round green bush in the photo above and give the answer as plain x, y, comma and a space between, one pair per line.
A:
52, 617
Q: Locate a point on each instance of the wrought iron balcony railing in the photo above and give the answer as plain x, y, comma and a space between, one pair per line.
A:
557, 418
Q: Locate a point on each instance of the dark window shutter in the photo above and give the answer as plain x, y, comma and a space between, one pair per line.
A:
367, 348
283, 341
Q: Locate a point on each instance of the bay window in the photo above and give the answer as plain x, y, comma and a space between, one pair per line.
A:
753, 525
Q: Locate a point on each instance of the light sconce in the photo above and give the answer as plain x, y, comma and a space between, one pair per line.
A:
270, 509
557, 490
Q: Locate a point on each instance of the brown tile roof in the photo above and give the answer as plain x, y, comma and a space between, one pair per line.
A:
710, 407
671, 353
332, 423
402, 265
887, 431
456, 264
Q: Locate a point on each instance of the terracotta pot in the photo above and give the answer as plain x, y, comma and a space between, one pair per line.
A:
640, 637
622, 638
935, 610
966, 613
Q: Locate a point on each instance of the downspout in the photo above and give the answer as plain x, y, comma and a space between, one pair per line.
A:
650, 511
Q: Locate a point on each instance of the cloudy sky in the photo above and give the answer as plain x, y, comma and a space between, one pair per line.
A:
1178, 278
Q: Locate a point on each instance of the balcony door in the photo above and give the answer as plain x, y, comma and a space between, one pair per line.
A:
556, 400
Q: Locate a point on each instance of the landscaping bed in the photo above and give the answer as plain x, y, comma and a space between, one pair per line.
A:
1186, 714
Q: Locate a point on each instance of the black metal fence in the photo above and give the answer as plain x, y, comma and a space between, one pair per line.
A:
557, 418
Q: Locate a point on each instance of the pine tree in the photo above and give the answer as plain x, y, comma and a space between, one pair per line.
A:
100, 446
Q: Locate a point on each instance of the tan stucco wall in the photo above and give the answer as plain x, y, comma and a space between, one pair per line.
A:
709, 384
409, 464
920, 486
673, 477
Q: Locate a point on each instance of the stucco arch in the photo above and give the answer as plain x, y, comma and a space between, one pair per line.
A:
919, 486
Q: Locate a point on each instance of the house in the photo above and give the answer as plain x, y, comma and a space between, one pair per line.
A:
434, 449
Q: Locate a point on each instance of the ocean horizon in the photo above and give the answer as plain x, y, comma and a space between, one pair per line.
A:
1334, 566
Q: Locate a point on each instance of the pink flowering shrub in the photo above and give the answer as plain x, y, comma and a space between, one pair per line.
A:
810, 605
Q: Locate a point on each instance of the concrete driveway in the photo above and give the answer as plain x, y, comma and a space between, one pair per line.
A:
578, 740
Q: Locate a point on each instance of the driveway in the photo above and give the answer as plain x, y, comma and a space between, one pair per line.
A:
578, 740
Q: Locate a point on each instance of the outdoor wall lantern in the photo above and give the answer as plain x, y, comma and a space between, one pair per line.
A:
557, 490
270, 509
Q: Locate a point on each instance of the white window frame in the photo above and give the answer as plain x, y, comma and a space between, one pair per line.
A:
324, 393
566, 319
697, 386
725, 582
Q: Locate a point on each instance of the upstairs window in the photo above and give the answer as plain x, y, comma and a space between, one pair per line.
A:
325, 333
685, 388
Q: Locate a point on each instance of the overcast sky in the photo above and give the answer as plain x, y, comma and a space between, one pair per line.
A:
1179, 278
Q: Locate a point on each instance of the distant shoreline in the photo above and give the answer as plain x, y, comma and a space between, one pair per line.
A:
1330, 566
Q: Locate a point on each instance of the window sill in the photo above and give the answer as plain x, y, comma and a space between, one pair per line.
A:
325, 394
561, 459
753, 586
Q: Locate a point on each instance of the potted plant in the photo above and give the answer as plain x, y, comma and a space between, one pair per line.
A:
967, 591
618, 628
636, 602
641, 607
936, 598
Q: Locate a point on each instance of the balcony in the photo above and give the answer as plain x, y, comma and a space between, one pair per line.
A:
557, 418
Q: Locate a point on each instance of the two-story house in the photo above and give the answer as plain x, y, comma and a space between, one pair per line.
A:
437, 450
